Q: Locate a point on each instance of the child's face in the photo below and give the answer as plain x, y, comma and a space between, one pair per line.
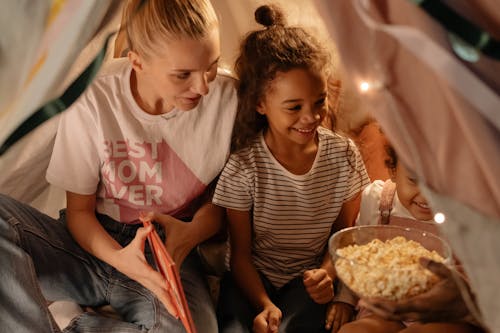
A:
180, 76
295, 104
409, 194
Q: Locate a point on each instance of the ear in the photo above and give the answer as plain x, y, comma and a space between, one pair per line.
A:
135, 60
261, 108
392, 173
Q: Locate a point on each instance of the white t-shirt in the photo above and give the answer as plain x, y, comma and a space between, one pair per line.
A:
369, 212
293, 214
136, 161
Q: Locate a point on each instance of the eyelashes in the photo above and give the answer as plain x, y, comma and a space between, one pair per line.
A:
320, 103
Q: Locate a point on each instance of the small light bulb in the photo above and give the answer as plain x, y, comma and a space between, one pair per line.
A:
364, 86
439, 218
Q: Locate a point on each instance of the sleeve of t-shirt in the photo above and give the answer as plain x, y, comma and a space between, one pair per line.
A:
370, 201
74, 164
234, 187
358, 177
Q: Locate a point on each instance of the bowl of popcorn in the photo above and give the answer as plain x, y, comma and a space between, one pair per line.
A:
383, 261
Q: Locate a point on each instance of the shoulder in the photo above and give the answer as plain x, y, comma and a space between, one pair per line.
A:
224, 83
112, 68
110, 79
221, 100
252, 157
339, 147
107, 84
247, 155
370, 201
225, 75
335, 140
373, 191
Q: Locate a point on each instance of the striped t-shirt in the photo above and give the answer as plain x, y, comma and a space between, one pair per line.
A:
293, 214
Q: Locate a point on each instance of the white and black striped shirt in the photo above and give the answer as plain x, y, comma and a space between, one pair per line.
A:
293, 214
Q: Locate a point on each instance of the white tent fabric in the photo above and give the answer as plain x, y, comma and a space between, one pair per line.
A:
48, 44
439, 112
43, 41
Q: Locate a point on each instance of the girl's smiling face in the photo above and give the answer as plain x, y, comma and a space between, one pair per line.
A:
294, 105
409, 194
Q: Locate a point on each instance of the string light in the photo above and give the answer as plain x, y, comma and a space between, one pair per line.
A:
439, 218
364, 86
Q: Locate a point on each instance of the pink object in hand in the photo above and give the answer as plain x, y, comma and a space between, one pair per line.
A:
177, 306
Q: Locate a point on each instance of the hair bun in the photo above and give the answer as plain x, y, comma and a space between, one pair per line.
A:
269, 15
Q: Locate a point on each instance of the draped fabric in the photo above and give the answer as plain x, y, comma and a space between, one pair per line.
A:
45, 45
440, 112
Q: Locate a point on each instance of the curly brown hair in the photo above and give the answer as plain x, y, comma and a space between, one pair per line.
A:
263, 53
392, 158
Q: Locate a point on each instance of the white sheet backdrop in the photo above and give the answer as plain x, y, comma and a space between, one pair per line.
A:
440, 112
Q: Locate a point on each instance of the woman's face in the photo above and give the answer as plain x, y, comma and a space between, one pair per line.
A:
295, 104
178, 74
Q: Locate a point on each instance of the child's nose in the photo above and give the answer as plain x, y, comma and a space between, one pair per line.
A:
311, 116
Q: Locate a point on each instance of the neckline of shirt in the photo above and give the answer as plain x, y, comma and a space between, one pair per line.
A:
285, 170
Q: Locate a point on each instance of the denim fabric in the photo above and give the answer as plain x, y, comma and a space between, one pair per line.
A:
40, 262
300, 313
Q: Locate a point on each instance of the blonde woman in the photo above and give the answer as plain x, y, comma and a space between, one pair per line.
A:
150, 134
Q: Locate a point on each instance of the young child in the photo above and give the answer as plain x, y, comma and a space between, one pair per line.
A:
286, 187
150, 134
398, 201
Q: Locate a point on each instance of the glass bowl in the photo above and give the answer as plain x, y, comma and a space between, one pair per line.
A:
382, 261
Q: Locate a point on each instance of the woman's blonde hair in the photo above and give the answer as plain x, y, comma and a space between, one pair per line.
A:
150, 22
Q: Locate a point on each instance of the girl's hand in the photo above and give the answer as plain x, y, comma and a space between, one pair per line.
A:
268, 320
136, 267
337, 314
319, 285
179, 239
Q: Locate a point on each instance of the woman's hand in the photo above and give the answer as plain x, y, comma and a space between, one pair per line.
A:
443, 302
136, 267
179, 239
337, 314
268, 320
319, 285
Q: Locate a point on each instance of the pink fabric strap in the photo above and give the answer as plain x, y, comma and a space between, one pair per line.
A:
386, 200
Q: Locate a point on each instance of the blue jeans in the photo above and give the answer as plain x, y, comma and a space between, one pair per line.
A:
300, 314
40, 262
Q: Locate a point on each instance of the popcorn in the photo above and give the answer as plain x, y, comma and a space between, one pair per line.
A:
389, 269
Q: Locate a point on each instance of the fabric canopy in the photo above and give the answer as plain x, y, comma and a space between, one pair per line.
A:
440, 113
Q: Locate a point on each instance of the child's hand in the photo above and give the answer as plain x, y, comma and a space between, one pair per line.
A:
337, 314
268, 320
319, 285
443, 302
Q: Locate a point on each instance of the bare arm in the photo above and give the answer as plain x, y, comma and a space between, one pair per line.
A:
319, 282
182, 237
92, 237
242, 266
346, 218
340, 311
348, 213
246, 275
86, 229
